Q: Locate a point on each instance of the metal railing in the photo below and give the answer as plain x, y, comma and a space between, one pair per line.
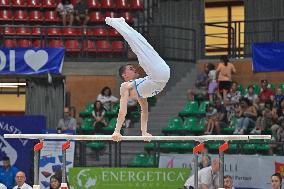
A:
174, 43
235, 38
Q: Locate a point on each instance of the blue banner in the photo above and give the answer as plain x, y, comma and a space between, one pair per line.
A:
29, 61
20, 150
268, 57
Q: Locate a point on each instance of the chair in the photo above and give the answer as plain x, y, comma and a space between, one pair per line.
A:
5, 3
54, 31
23, 31
128, 17
87, 125
202, 108
189, 124
55, 43
122, 4
72, 46
136, 5
139, 160
69, 31
174, 125
24, 43
113, 33
36, 31
94, 4
89, 46
51, 16
33, 3
6, 15
38, 43
110, 127
103, 46
96, 145
107, 4
96, 17
48, 4
36, 16
190, 108
117, 46
18, 3
111, 14
9, 30
21, 15
10, 43
100, 32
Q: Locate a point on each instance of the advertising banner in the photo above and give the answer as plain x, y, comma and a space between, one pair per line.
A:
248, 171
127, 178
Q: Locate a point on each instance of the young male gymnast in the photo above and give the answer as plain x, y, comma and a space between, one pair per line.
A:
158, 74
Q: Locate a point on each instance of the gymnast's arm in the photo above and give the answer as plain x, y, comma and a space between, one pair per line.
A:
124, 95
144, 114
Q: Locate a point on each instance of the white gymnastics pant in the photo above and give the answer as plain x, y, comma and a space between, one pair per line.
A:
158, 72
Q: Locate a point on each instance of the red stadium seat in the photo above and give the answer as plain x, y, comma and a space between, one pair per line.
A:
113, 33
117, 46
21, 15
111, 14
89, 32
56, 43
6, 15
67, 31
122, 4
73, 2
33, 3
51, 16
96, 17
100, 32
38, 43
9, 30
54, 31
137, 4
23, 31
49, 4
18, 3
103, 46
24, 43
36, 16
94, 4
128, 17
5, 3
10, 43
107, 4
36, 30
72, 46
89, 46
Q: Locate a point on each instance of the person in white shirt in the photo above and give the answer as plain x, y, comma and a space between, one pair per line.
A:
107, 98
20, 180
228, 182
207, 177
212, 87
2, 186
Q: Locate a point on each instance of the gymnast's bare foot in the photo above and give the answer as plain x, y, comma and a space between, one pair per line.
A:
146, 134
116, 136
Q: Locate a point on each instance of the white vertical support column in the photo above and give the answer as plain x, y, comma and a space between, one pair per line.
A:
37, 149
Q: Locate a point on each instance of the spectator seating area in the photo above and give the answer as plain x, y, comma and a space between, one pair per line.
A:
35, 23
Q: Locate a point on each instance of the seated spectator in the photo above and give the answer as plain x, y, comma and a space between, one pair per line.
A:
106, 98
228, 182
8, 173
98, 115
232, 99
225, 70
202, 78
21, 181
81, 12
251, 95
247, 115
266, 93
205, 162
278, 133
64, 9
55, 182
211, 116
266, 119
221, 118
278, 98
67, 122
212, 82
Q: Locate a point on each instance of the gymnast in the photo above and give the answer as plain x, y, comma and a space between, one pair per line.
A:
158, 74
